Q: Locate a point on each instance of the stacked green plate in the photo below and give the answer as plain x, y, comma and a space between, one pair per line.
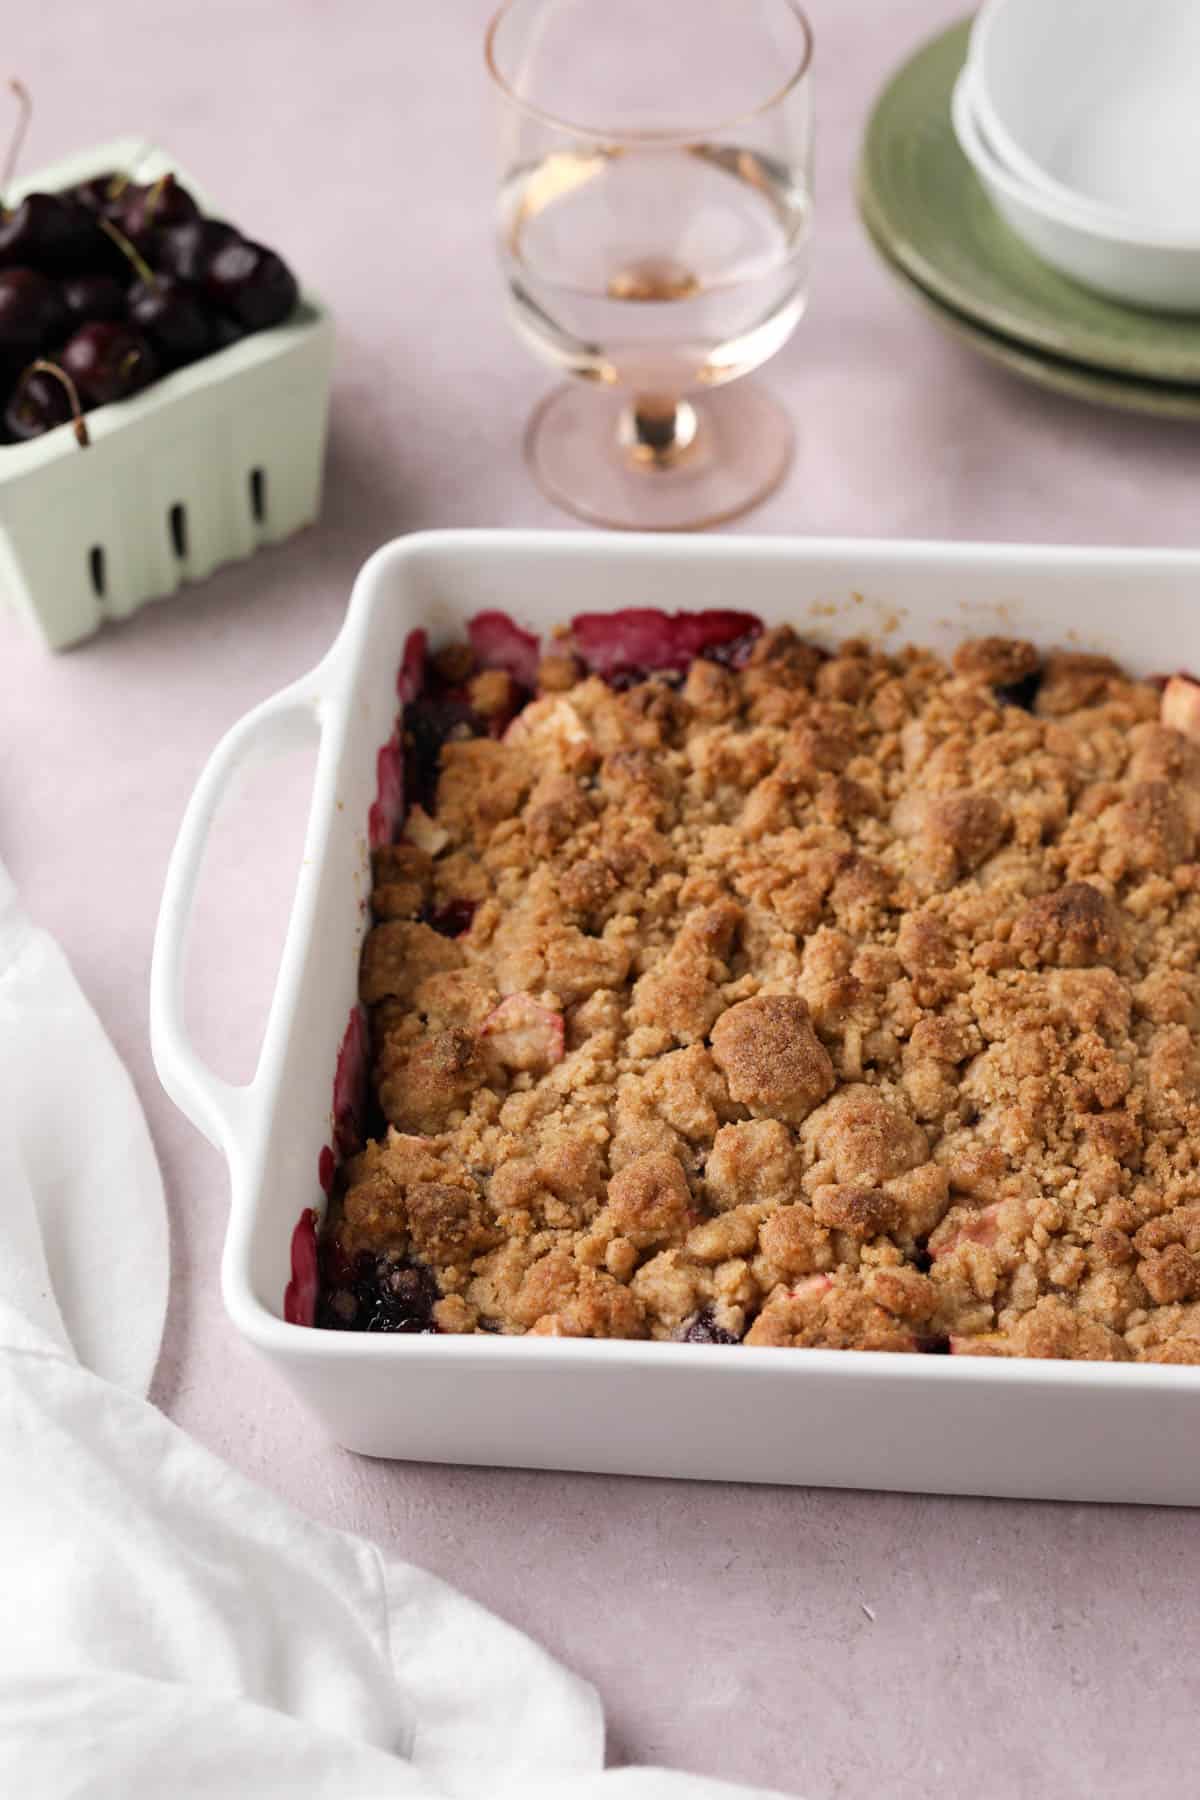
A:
938, 232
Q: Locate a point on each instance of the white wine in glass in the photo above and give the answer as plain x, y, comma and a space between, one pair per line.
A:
653, 259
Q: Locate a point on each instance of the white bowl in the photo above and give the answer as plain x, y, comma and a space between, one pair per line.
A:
1097, 101
1142, 271
209, 464
948, 1424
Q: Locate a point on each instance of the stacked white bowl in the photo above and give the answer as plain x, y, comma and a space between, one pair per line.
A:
1082, 120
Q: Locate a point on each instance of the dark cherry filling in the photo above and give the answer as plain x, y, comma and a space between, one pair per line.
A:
1021, 693
934, 1346
621, 680
302, 1295
378, 1293
375, 1125
431, 721
923, 1261
500, 643
452, 919
624, 646
734, 653
703, 1329
350, 1087
411, 679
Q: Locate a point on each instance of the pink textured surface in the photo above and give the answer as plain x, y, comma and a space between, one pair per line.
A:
1014, 1650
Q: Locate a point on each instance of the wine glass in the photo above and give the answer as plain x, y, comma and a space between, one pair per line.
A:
655, 205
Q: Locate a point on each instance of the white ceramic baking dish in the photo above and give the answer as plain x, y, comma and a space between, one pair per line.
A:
209, 464
1084, 1431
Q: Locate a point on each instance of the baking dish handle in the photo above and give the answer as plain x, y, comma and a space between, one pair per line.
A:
220, 1109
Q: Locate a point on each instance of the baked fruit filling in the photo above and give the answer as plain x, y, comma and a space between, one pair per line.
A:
724, 990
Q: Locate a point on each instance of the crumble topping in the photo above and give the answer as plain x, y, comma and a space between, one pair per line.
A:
786, 998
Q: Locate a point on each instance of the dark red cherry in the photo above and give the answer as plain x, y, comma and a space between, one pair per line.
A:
252, 283
32, 313
173, 316
10, 368
225, 331
116, 255
186, 250
142, 212
45, 396
50, 232
37, 405
100, 193
93, 297
108, 361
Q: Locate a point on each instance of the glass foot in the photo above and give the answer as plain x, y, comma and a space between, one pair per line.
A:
714, 457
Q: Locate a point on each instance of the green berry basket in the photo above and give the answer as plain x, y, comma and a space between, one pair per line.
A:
209, 464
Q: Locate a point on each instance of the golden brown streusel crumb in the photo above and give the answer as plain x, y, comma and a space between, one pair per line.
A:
830, 1001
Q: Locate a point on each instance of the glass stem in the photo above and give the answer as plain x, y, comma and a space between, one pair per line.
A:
657, 429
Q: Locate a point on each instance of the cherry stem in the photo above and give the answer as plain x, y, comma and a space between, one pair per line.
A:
18, 137
120, 182
41, 367
154, 199
144, 272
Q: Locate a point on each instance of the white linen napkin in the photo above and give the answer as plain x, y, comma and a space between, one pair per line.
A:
169, 1628
84, 1194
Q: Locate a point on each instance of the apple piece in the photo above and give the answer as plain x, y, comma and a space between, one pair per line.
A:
812, 1285
1180, 707
549, 1325
551, 720
982, 1227
424, 832
524, 1034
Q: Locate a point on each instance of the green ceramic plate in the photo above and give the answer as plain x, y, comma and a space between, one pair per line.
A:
1126, 394
922, 202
